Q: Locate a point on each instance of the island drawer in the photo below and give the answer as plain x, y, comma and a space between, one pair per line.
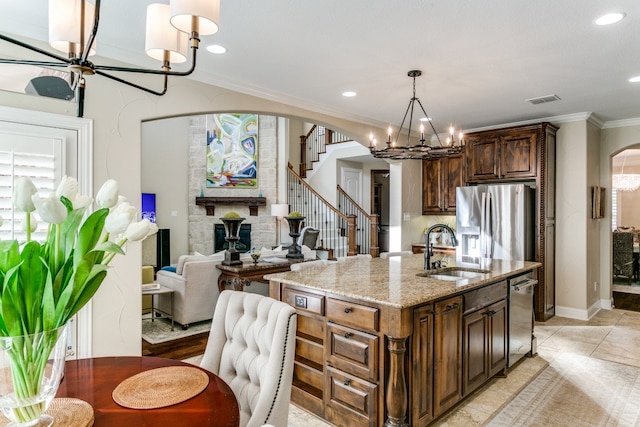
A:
304, 301
352, 314
353, 351
350, 401
482, 297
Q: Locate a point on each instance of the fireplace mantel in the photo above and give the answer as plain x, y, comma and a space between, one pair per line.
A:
209, 203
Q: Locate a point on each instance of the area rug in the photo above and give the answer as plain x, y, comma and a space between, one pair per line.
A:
159, 330
576, 391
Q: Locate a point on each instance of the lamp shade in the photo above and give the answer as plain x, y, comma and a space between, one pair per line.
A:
65, 25
163, 38
281, 210
205, 12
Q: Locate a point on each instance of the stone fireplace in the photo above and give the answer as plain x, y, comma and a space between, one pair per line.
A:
243, 245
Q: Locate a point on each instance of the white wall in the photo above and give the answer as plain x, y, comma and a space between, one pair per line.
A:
165, 171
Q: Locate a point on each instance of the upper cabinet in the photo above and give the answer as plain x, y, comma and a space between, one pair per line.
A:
440, 177
504, 154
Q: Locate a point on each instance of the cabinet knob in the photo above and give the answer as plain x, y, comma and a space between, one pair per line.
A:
347, 310
347, 382
348, 335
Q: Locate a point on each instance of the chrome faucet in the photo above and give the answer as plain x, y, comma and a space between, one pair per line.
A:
428, 250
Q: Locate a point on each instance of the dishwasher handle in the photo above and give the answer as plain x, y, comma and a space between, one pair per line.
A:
525, 285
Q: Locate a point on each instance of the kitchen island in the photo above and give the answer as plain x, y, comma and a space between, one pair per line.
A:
377, 344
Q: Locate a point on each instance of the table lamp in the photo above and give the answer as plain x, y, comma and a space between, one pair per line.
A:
279, 210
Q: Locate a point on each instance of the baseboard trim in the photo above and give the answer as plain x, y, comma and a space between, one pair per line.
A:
580, 314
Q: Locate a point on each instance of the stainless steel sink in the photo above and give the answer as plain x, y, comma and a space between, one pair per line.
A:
459, 275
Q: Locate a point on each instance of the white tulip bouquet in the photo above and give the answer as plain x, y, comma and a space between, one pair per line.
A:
44, 284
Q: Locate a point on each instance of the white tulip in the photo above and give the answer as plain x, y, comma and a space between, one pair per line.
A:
138, 230
108, 195
23, 190
34, 223
68, 188
82, 201
119, 218
51, 209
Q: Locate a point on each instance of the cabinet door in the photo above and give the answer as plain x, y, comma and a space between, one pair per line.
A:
431, 186
519, 155
453, 177
422, 369
447, 345
476, 350
483, 161
497, 341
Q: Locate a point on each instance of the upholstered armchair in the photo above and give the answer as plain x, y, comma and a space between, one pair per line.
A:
251, 347
195, 283
623, 264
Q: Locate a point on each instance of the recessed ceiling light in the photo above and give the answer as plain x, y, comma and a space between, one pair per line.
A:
217, 49
610, 18
635, 79
425, 119
349, 94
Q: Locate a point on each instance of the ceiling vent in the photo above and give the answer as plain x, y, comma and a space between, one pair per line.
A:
543, 99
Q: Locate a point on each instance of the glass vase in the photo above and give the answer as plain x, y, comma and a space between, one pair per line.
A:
31, 367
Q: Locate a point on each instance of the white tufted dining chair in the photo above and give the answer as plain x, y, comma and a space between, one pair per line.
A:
251, 346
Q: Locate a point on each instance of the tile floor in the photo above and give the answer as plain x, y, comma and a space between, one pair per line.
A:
612, 335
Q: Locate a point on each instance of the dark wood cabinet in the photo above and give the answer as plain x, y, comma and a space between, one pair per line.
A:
447, 354
440, 177
485, 344
525, 154
502, 155
422, 369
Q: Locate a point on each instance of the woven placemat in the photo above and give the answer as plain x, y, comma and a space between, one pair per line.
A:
160, 387
66, 412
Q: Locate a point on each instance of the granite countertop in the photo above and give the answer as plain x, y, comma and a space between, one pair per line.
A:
394, 281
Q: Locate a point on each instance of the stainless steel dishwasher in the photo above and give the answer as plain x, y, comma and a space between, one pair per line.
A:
521, 289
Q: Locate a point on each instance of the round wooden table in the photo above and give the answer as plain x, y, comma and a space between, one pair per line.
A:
93, 380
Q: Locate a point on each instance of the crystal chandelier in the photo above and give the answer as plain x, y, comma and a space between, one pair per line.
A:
421, 150
73, 27
626, 181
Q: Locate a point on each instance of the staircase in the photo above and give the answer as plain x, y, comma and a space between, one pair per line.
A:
314, 143
346, 231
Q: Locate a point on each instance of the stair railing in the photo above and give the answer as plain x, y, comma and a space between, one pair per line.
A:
367, 225
314, 143
337, 230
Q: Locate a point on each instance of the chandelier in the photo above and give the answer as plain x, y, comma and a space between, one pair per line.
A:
626, 181
73, 28
421, 150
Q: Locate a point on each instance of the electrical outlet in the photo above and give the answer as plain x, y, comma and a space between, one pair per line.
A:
595, 286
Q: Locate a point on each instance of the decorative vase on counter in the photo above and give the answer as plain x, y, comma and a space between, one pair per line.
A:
31, 367
295, 251
232, 230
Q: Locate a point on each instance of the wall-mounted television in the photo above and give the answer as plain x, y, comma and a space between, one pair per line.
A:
149, 206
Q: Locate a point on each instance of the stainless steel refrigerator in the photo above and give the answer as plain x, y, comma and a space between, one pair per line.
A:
495, 221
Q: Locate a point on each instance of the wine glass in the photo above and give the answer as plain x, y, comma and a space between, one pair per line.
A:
255, 255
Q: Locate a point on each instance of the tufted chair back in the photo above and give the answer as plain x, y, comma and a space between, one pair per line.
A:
251, 347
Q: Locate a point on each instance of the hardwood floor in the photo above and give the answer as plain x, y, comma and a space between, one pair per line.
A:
177, 349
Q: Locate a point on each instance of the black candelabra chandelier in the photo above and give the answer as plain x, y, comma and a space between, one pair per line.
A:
420, 150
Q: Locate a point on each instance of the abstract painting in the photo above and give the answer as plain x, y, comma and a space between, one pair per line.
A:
232, 150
